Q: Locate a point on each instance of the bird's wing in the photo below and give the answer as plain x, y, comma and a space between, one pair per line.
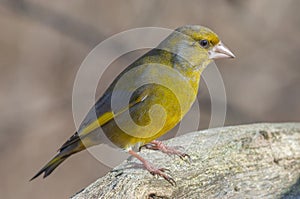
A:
101, 113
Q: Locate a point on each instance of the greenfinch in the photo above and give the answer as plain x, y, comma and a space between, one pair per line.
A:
169, 76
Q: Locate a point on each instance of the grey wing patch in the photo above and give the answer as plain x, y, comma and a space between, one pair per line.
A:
118, 102
101, 106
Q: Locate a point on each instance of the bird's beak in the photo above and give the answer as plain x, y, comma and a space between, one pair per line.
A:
220, 51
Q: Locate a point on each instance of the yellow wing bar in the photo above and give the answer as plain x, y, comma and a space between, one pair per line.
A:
106, 117
103, 119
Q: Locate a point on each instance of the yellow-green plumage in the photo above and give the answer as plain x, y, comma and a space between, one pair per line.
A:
178, 61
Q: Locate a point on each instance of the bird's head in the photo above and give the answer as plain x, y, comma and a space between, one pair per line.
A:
197, 44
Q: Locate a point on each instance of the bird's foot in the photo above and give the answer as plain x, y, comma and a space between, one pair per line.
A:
159, 172
153, 170
159, 145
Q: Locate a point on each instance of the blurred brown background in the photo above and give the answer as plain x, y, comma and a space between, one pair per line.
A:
42, 45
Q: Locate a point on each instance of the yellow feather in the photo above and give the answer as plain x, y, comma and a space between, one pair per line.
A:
103, 119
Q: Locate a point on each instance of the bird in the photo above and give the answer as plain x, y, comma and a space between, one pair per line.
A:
169, 77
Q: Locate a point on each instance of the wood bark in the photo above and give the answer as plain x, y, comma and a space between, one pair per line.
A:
247, 161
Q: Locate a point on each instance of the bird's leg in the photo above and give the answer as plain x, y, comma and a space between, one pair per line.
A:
159, 145
152, 169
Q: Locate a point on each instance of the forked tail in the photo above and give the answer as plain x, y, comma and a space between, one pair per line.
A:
51, 165
73, 145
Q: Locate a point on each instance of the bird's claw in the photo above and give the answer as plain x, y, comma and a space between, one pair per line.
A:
159, 145
164, 170
160, 172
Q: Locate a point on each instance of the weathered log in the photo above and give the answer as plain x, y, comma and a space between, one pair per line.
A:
248, 161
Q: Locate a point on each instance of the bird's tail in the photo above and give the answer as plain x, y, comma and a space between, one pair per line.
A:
51, 165
71, 146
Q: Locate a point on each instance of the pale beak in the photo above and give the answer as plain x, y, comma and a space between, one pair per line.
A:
220, 51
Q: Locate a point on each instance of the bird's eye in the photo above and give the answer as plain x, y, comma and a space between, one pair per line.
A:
204, 43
